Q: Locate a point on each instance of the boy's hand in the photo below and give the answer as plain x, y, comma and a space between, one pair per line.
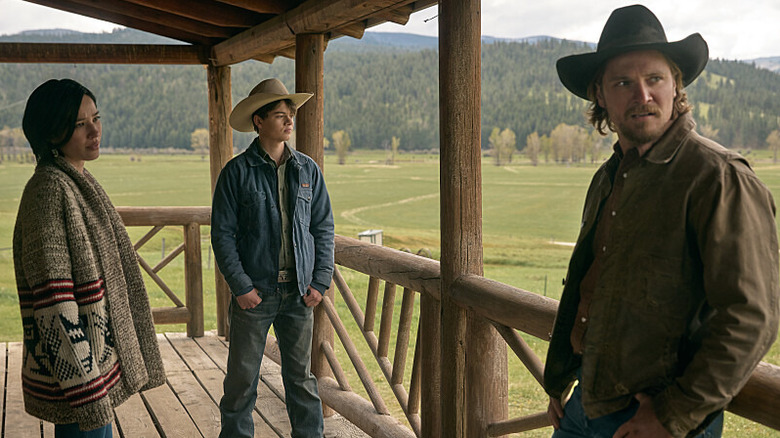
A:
249, 300
312, 297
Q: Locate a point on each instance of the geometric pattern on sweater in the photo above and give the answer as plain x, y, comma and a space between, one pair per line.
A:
73, 327
76, 396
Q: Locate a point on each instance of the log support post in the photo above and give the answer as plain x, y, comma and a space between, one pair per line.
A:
309, 134
220, 152
474, 386
193, 274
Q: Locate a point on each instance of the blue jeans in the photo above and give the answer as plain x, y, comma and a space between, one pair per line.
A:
72, 431
575, 424
293, 323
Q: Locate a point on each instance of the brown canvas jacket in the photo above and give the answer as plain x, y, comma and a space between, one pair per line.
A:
687, 302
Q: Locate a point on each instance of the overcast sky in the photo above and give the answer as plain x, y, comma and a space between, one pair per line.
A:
734, 29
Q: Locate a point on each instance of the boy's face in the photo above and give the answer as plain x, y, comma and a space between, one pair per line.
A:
277, 126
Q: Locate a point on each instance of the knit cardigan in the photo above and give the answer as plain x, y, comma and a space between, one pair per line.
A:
89, 339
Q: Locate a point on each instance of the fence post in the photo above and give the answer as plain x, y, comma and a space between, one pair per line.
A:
193, 274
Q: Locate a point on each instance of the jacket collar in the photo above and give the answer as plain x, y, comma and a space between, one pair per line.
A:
667, 146
256, 157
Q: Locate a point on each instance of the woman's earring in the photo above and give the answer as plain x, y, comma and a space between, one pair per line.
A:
55, 153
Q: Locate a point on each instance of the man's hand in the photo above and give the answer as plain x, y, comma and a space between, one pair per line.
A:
249, 300
312, 297
644, 424
555, 412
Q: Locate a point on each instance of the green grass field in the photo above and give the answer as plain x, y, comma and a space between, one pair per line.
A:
530, 214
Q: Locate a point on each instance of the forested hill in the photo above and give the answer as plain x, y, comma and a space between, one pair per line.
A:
377, 88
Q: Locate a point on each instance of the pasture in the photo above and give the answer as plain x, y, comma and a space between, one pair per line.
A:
530, 217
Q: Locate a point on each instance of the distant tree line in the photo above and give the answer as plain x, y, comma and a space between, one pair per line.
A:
384, 98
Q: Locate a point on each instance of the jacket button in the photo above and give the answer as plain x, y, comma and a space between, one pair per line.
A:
621, 389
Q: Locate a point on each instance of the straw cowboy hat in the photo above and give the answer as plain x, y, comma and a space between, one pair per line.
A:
630, 29
267, 91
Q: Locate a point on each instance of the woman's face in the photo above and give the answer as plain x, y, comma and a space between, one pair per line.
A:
84, 144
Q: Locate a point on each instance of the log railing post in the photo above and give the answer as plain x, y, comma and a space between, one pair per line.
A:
430, 366
309, 134
193, 274
474, 388
220, 152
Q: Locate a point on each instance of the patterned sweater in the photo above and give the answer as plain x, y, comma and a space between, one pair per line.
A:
89, 339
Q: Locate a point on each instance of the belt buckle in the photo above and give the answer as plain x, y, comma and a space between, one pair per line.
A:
284, 276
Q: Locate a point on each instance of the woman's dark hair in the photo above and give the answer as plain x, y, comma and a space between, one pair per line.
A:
50, 115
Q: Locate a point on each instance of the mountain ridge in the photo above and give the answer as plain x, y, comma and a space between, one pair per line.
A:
398, 41
376, 92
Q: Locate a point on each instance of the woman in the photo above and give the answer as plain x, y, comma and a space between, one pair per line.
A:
89, 340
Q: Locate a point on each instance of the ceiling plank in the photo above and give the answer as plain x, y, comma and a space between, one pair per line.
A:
103, 53
275, 7
206, 11
95, 9
123, 20
314, 16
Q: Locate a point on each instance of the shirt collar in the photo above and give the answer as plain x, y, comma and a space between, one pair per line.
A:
667, 146
260, 156
286, 154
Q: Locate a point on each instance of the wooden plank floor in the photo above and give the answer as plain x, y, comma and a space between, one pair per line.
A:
186, 407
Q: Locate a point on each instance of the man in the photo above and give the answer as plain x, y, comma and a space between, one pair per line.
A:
671, 297
272, 234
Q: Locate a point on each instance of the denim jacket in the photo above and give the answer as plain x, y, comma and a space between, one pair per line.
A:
246, 224
687, 300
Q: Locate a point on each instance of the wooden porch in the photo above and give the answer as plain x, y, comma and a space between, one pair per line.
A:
457, 345
187, 406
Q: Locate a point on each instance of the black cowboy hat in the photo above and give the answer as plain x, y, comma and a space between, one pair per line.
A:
630, 29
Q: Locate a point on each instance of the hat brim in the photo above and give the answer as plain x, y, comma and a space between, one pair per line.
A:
577, 71
241, 116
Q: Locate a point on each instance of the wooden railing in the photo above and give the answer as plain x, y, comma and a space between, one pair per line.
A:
189, 311
508, 308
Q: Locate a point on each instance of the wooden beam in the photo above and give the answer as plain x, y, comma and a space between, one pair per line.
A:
220, 152
475, 390
360, 412
507, 305
416, 6
354, 30
158, 17
103, 53
268, 59
408, 270
124, 20
261, 6
287, 52
759, 399
314, 16
398, 15
309, 78
429, 344
142, 216
205, 11
170, 315
310, 130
